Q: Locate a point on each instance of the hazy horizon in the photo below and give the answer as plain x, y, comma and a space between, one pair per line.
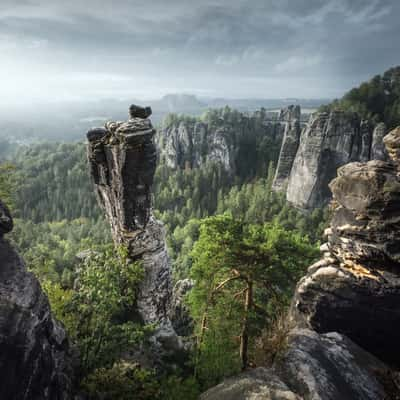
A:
86, 51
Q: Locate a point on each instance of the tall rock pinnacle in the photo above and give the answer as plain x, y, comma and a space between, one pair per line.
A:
122, 158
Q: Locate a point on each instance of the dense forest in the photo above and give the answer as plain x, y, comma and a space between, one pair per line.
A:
377, 99
64, 238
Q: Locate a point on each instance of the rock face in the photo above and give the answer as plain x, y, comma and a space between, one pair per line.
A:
180, 317
122, 158
188, 144
330, 367
34, 358
330, 140
257, 384
344, 318
378, 150
290, 144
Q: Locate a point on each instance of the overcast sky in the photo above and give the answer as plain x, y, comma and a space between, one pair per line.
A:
71, 49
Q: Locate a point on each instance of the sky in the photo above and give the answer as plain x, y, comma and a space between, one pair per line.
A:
55, 50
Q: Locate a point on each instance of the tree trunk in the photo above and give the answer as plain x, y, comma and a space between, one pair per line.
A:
244, 339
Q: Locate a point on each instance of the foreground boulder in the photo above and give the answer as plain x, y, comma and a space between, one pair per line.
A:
313, 366
34, 356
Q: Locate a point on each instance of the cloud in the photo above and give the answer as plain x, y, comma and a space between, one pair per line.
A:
259, 45
295, 64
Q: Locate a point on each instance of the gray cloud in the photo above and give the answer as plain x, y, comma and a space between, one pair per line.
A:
245, 48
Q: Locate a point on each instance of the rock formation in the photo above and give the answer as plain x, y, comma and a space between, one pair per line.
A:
330, 140
34, 356
290, 143
343, 342
191, 143
122, 159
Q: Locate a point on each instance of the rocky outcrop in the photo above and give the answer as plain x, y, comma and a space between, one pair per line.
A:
290, 144
122, 158
190, 143
344, 318
330, 140
180, 316
378, 150
312, 367
355, 289
34, 358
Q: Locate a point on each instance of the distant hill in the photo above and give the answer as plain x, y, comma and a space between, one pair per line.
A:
69, 121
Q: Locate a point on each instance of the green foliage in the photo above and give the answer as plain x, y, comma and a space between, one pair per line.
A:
122, 381
98, 312
95, 299
53, 183
7, 184
377, 100
244, 275
176, 388
50, 248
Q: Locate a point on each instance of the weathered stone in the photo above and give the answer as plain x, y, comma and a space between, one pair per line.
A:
330, 367
179, 315
34, 358
289, 147
392, 143
122, 164
257, 384
139, 112
378, 150
355, 290
312, 366
6, 221
187, 144
329, 141
355, 301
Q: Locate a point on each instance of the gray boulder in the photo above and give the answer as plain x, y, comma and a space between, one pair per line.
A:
257, 384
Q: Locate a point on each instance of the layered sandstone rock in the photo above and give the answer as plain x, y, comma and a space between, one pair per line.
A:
34, 358
355, 288
122, 158
291, 137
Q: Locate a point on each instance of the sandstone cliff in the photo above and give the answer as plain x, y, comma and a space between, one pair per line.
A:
224, 137
290, 144
342, 343
34, 356
308, 163
122, 159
